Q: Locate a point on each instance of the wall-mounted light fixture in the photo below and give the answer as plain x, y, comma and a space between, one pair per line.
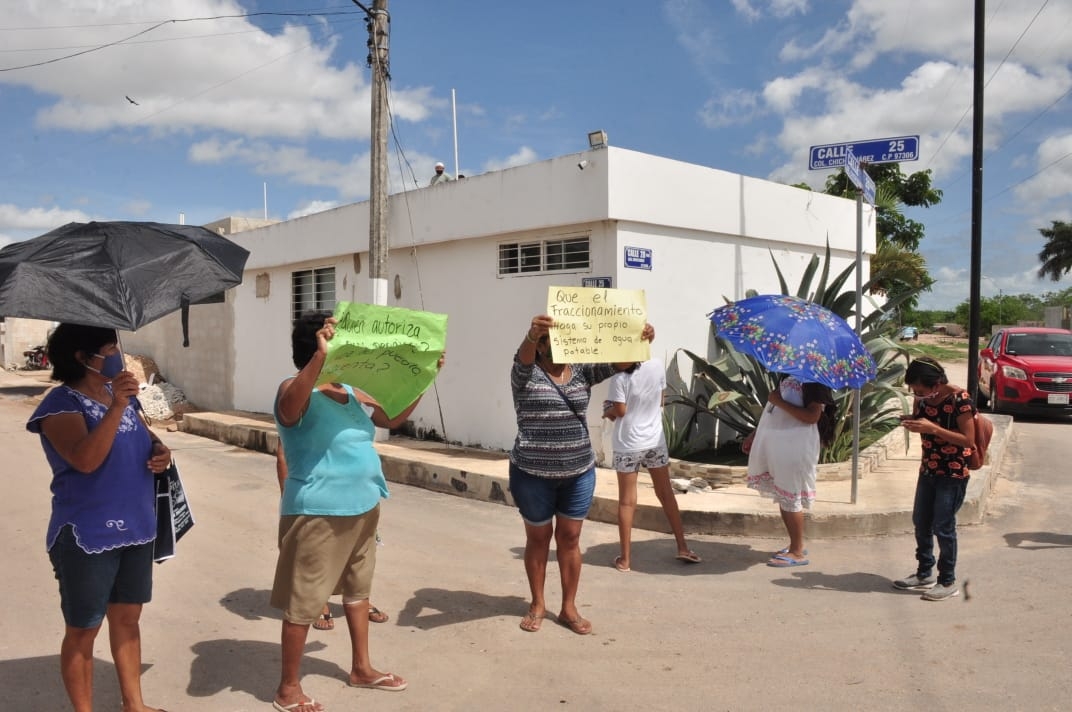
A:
597, 139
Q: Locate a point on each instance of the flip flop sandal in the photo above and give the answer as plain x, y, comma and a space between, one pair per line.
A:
324, 622
377, 616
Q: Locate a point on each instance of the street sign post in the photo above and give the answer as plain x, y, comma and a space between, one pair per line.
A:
859, 177
883, 150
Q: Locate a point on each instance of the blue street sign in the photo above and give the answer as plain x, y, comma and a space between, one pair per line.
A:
859, 176
597, 282
638, 257
883, 150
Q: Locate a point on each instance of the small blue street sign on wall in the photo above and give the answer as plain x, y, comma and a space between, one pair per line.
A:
883, 150
596, 282
638, 257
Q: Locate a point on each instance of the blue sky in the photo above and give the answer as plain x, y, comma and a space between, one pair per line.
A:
228, 104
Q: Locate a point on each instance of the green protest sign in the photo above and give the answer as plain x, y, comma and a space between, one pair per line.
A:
388, 352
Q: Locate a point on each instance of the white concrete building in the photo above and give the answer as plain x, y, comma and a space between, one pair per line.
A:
484, 250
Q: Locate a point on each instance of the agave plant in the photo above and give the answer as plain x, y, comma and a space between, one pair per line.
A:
733, 387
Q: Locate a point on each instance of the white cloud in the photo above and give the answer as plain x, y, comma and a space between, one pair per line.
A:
524, 155
730, 107
1054, 180
12, 217
224, 75
137, 207
752, 10
312, 207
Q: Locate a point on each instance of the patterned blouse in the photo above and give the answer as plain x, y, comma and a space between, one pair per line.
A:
552, 436
940, 457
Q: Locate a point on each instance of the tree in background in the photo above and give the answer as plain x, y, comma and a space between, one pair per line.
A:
913, 190
1056, 255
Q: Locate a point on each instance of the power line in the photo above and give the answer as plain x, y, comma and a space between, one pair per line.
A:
161, 24
992, 75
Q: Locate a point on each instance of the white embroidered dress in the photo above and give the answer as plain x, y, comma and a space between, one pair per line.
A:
782, 462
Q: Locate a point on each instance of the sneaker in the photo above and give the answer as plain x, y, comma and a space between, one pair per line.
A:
942, 592
915, 582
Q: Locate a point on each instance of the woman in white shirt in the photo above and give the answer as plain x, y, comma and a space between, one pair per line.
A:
636, 406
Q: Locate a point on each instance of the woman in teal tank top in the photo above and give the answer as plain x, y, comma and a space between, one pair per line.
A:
329, 509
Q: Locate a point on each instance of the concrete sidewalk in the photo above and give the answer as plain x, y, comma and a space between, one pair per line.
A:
884, 489
883, 504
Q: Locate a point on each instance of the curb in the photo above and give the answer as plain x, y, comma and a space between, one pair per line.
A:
484, 475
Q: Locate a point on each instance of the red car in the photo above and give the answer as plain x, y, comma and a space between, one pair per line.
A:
1027, 370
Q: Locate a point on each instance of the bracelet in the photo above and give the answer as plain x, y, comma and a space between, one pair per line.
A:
528, 337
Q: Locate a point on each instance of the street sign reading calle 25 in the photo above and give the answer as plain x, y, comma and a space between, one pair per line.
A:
883, 150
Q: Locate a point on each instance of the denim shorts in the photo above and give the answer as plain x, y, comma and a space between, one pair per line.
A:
539, 499
89, 582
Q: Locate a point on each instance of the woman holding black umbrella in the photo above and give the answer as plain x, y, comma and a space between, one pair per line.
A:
100, 536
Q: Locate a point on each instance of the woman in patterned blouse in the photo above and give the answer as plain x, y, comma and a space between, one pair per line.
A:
552, 465
944, 417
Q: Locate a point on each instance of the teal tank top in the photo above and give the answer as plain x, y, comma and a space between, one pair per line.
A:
332, 467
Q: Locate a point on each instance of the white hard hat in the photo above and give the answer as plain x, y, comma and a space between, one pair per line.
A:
440, 165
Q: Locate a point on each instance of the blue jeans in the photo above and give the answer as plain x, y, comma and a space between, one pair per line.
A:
539, 499
934, 515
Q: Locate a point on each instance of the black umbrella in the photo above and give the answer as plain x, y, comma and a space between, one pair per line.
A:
119, 275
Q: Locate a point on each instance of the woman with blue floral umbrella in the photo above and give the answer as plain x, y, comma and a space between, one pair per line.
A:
818, 352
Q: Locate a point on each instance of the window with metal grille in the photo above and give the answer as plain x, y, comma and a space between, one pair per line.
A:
571, 253
313, 290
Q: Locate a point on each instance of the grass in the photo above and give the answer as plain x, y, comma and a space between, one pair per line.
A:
953, 351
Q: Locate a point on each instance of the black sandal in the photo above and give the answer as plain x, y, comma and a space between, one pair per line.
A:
324, 622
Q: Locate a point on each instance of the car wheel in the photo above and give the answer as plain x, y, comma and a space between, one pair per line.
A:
995, 404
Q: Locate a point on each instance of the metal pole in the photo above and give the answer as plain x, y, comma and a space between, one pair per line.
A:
379, 45
859, 309
454, 119
976, 199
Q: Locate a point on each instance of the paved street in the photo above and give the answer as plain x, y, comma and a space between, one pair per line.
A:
729, 634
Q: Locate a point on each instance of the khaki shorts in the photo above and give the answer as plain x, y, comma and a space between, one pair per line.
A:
320, 557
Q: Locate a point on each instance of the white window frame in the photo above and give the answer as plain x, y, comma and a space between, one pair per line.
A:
321, 297
533, 257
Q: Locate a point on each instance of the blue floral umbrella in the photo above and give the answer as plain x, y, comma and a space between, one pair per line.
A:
798, 337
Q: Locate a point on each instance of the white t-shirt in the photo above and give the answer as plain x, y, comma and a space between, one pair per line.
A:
641, 428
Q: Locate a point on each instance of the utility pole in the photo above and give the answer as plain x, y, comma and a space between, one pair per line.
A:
976, 199
378, 22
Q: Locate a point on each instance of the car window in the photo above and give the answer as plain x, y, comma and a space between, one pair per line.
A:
1039, 344
1059, 344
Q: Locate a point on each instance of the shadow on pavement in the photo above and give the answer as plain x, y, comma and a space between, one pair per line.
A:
252, 667
23, 391
1040, 540
250, 603
858, 582
435, 607
657, 557
35, 684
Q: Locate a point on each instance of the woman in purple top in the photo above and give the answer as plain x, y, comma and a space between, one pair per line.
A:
100, 536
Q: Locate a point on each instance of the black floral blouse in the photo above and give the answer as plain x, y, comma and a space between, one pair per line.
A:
940, 457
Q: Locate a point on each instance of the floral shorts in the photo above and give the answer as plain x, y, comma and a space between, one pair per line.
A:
633, 460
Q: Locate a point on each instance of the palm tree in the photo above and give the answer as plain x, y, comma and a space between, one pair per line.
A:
1056, 255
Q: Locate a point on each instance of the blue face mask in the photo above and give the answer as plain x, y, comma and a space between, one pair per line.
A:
112, 365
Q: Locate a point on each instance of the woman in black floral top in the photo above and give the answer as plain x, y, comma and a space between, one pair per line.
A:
944, 417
